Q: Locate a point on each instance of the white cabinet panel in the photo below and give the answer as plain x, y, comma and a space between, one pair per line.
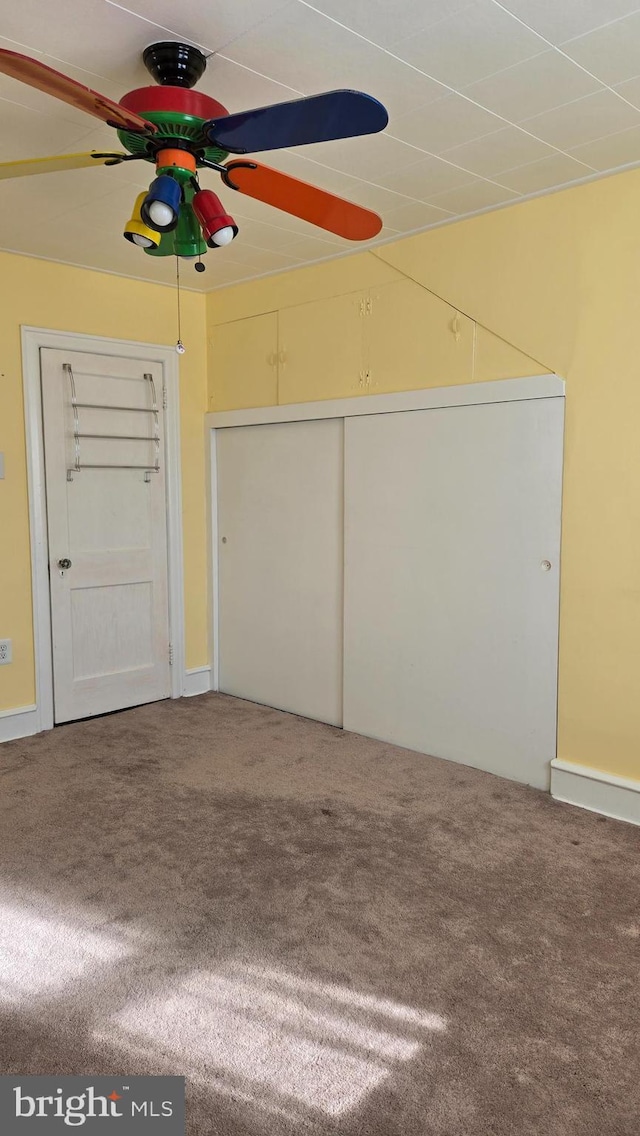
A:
280, 565
451, 615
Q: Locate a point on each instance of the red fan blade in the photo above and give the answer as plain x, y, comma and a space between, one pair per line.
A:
302, 200
36, 74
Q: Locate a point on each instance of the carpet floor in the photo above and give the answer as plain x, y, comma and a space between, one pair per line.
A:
325, 934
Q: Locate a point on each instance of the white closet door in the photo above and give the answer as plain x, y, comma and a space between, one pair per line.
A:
280, 565
451, 612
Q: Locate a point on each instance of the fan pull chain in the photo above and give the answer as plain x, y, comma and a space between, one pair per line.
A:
180, 347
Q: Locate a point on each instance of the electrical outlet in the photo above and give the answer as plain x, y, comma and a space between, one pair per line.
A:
5, 651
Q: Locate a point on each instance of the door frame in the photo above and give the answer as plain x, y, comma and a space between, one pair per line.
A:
33, 339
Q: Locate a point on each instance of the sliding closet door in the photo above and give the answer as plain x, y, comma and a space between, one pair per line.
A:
452, 536
280, 565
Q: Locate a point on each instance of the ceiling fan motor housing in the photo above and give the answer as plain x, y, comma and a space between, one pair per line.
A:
178, 115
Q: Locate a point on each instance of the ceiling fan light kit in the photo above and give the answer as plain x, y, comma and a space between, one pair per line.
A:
218, 228
181, 131
135, 229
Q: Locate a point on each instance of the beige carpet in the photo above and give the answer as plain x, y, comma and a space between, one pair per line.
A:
325, 934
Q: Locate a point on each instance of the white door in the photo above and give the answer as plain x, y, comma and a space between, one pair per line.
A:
106, 514
280, 535
452, 518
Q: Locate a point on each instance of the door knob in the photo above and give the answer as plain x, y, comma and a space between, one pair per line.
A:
64, 563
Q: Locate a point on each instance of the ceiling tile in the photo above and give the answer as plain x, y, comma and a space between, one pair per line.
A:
89, 34
415, 216
238, 88
470, 198
242, 252
499, 151
265, 236
534, 86
105, 140
27, 96
583, 120
306, 169
385, 23
470, 45
223, 275
427, 177
611, 53
312, 248
630, 90
615, 150
369, 157
372, 196
539, 176
30, 134
46, 197
200, 21
446, 123
304, 50
368, 194
559, 20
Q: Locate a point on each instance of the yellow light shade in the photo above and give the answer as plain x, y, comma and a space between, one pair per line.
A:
137, 232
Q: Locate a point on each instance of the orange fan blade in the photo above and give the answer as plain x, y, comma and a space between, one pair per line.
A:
36, 74
302, 200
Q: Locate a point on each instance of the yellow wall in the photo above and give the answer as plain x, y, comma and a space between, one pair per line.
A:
558, 279
70, 299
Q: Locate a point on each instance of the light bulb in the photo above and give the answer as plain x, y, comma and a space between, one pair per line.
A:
161, 214
144, 242
180, 347
223, 236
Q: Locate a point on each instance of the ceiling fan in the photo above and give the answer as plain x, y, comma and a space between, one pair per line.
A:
181, 131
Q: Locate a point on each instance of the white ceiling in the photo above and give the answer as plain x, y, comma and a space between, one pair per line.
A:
488, 101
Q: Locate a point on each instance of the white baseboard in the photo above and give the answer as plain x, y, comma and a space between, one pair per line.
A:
197, 681
617, 797
19, 723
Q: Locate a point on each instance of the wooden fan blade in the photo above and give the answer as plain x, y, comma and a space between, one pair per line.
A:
44, 78
302, 200
317, 118
52, 165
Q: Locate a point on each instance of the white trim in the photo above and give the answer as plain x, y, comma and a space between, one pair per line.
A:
33, 339
468, 394
617, 797
19, 723
197, 681
211, 460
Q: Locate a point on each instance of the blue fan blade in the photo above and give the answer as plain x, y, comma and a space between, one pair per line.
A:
319, 118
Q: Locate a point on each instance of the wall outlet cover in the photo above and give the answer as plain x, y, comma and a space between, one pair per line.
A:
5, 651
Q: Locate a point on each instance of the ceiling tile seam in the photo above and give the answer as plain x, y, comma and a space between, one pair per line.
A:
604, 138
600, 27
561, 106
208, 50
41, 113
18, 43
589, 170
260, 74
559, 50
153, 24
270, 225
409, 198
452, 90
440, 158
